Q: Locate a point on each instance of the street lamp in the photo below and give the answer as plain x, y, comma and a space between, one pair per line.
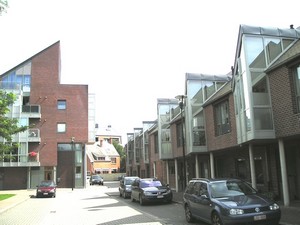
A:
181, 99
73, 162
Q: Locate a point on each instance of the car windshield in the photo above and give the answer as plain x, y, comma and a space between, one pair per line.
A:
129, 181
150, 183
46, 183
96, 177
230, 188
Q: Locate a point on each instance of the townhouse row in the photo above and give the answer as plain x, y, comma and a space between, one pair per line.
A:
244, 124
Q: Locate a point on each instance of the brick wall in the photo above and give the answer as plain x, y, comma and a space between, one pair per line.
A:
45, 91
223, 141
286, 121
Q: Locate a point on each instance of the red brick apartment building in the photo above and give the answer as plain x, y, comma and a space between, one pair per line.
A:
245, 124
54, 146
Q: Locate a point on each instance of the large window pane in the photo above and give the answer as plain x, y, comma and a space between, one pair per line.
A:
222, 118
263, 119
255, 54
260, 93
273, 46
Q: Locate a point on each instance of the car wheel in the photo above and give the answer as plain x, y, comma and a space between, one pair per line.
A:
188, 214
142, 202
215, 219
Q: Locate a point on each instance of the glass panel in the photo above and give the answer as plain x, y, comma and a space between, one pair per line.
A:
222, 118
195, 92
260, 93
23, 122
61, 104
263, 119
61, 127
273, 47
199, 130
248, 119
255, 74
255, 54
209, 89
286, 43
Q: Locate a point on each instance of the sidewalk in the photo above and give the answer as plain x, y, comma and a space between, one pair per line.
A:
289, 215
20, 196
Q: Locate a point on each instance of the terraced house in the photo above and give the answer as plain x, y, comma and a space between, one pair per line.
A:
244, 124
54, 146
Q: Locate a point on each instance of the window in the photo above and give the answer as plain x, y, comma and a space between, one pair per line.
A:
113, 160
297, 85
61, 104
222, 118
156, 143
61, 128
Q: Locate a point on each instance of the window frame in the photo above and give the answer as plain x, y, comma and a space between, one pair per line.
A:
58, 128
220, 127
61, 106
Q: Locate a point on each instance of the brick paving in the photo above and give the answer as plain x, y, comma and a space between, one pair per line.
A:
290, 215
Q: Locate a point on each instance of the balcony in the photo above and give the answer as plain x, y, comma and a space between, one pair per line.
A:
21, 160
33, 135
32, 111
30, 135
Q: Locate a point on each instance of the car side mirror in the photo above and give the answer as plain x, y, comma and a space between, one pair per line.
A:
204, 196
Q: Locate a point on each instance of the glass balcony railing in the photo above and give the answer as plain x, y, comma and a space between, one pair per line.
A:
33, 111
20, 160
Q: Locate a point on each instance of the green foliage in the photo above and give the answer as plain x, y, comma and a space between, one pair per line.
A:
122, 154
9, 126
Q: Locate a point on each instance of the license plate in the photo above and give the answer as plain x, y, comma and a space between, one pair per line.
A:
160, 196
260, 217
45, 193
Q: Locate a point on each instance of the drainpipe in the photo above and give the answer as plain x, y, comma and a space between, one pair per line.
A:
197, 166
252, 166
285, 187
212, 165
176, 175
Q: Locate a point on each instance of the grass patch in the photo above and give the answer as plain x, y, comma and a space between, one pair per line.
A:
5, 196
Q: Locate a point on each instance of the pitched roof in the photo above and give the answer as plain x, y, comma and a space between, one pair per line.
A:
106, 150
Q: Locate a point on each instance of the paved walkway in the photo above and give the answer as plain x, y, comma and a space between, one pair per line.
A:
289, 215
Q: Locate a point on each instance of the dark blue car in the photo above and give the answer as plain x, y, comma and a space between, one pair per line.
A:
150, 190
228, 201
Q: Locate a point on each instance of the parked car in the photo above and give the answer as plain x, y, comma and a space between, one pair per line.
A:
46, 188
228, 201
125, 186
96, 179
150, 190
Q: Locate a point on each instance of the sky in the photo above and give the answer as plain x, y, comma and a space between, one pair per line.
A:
132, 52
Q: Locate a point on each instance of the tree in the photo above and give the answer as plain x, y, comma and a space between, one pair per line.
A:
9, 126
3, 6
121, 152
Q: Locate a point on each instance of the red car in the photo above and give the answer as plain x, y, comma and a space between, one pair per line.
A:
46, 188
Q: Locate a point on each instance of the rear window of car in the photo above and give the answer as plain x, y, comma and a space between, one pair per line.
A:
129, 181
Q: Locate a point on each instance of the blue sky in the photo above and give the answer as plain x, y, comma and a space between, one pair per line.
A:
131, 52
